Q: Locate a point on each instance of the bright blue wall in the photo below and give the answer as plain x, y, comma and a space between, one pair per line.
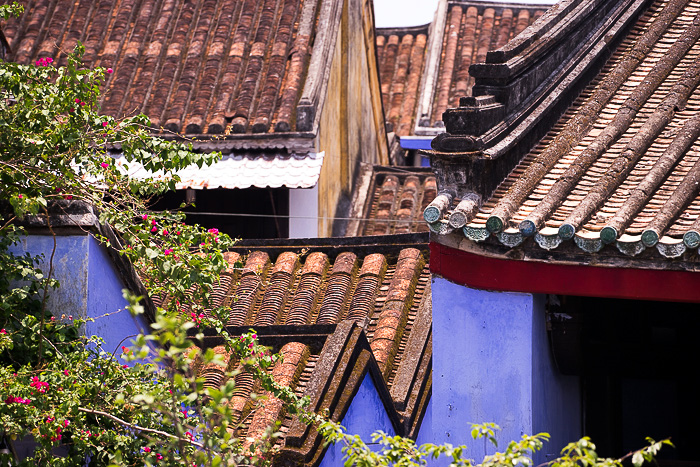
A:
106, 304
70, 264
365, 415
90, 286
491, 363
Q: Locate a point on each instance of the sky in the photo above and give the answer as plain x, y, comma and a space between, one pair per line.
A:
392, 13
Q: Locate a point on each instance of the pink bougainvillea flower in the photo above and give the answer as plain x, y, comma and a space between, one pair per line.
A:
146, 449
109, 70
105, 123
154, 229
159, 456
20, 196
125, 349
213, 231
168, 251
165, 232
2, 331
77, 101
104, 165
65, 372
144, 217
68, 197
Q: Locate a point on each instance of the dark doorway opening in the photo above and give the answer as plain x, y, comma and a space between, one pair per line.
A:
638, 362
249, 213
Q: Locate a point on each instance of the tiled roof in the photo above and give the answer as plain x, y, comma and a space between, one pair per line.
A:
336, 312
251, 169
393, 201
466, 31
207, 67
401, 56
622, 165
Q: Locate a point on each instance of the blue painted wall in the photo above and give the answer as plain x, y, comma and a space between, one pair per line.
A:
491, 363
365, 415
90, 286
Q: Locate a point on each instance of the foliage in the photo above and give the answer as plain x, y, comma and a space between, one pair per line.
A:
59, 389
403, 452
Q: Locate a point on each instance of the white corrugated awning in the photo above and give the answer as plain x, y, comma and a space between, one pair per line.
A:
271, 170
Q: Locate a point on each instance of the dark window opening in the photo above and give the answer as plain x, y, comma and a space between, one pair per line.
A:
638, 362
249, 213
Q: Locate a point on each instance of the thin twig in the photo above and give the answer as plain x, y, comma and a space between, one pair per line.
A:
139, 428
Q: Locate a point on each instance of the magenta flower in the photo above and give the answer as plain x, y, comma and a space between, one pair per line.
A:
104, 124
109, 70
65, 372
159, 456
2, 331
144, 217
168, 251
154, 229
104, 165
146, 449
20, 196
213, 231
77, 101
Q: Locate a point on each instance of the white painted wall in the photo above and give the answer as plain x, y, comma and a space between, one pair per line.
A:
303, 212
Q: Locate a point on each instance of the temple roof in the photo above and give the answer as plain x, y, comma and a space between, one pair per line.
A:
338, 310
424, 69
197, 68
618, 171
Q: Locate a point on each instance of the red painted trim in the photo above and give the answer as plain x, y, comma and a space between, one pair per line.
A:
484, 272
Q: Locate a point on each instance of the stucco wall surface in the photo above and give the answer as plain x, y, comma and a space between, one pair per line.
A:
90, 286
365, 416
491, 363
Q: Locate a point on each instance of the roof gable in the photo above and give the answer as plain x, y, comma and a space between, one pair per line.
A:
337, 311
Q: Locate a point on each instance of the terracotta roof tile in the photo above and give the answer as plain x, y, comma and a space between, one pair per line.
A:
621, 166
470, 30
171, 58
283, 298
395, 201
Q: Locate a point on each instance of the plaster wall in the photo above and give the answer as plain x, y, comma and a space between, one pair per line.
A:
491, 363
106, 304
303, 210
90, 286
365, 416
70, 268
351, 128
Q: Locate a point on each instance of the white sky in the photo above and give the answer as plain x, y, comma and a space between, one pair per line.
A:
391, 13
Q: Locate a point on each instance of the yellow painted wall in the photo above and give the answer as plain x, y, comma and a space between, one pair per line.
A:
351, 127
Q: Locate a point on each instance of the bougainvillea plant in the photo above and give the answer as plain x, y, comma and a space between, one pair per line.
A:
62, 399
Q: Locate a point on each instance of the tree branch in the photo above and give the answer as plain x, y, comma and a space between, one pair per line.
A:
139, 428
